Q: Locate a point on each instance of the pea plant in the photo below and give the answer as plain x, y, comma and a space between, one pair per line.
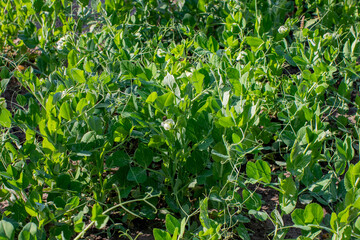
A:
191, 119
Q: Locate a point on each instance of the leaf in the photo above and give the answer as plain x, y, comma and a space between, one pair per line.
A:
156, 141
165, 100
65, 111
288, 196
63, 181
189, 20
72, 59
120, 134
259, 171
88, 137
100, 221
243, 232
28, 232
37, 5
118, 159
78, 75
143, 155
251, 199
300, 61
197, 80
7, 230
72, 203
213, 45
264, 171
84, 2
219, 152
78, 222
137, 175
357, 225
171, 224
313, 214
98, 217
260, 215
226, 122
251, 170
254, 42
5, 118
81, 105
152, 97
204, 217
95, 124
161, 234
201, 5
352, 176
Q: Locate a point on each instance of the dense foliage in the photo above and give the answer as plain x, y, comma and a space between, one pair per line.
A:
183, 110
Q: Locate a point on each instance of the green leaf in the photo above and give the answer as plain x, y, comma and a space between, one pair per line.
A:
171, 223
28, 232
260, 215
197, 80
297, 217
81, 105
259, 171
63, 181
72, 203
118, 159
226, 122
288, 196
143, 155
252, 171
37, 5
349, 149
5, 118
98, 217
313, 214
165, 100
88, 137
219, 152
204, 217
156, 141
189, 20
357, 225
212, 45
352, 176
100, 221
161, 234
84, 2
65, 111
78, 75
254, 42
72, 59
137, 174
152, 97
96, 124
7, 230
252, 200
201, 5
243, 232
300, 61
78, 222
264, 171
120, 134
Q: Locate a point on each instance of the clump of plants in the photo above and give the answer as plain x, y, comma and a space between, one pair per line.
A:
192, 119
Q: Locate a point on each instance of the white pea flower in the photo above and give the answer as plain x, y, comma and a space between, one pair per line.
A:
188, 74
160, 52
283, 29
168, 124
61, 43
327, 35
